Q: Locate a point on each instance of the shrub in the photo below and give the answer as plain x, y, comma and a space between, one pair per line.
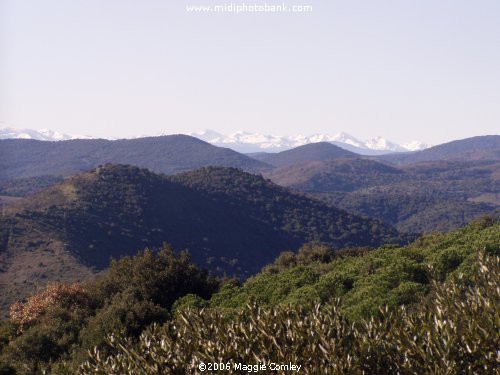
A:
137, 291
457, 333
52, 330
189, 301
69, 296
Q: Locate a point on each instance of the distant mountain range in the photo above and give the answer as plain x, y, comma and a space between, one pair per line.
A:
61, 224
441, 187
486, 147
308, 152
9, 132
256, 142
20, 158
246, 142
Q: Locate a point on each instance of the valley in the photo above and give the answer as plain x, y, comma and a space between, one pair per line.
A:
309, 187
232, 222
62, 223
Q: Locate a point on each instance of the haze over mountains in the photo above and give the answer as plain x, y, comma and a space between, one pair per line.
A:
440, 188
424, 197
9, 132
246, 142
65, 214
460, 177
166, 154
242, 141
469, 149
308, 152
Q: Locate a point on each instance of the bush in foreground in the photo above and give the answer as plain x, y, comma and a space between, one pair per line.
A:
454, 331
52, 330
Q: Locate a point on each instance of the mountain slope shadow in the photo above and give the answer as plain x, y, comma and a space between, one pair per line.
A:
231, 221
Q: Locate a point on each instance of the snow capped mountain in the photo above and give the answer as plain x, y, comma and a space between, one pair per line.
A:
256, 142
207, 135
248, 142
343, 137
7, 132
382, 144
242, 141
415, 146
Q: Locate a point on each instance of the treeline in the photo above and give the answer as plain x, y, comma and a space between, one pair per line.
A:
419, 198
430, 307
21, 187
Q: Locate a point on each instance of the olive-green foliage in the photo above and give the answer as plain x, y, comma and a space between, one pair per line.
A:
140, 290
232, 222
269, 291
135, 292
165, 288
7, 331
389, 276
189, 301
455, 332
52, 337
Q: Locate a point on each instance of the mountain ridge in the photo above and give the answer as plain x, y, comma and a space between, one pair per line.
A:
244, 142
305, 153
165, 154
422, 197
231, 221
484, 147
257, 142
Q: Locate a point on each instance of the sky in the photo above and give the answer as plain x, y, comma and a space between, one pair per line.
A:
426, 70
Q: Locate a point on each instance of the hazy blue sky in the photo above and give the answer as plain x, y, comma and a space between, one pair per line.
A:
407, 69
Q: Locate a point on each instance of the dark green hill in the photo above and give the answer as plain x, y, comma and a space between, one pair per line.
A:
434, 196
309, 152
22, 187
485, 147
231, 222
438, 195
166, 154
335, 175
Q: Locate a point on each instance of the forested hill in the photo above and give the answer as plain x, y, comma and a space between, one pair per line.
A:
339, 175
485, 147
166, 154
309, 152
231, 221
424, 197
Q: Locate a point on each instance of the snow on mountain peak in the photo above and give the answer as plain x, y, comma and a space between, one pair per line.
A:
382, 144
8, 132
244, 141
207, 135
415, 146
349, 139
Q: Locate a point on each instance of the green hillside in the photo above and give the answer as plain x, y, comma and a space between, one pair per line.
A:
231, 221
424, 197
365, 280
428, 307
305, 153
